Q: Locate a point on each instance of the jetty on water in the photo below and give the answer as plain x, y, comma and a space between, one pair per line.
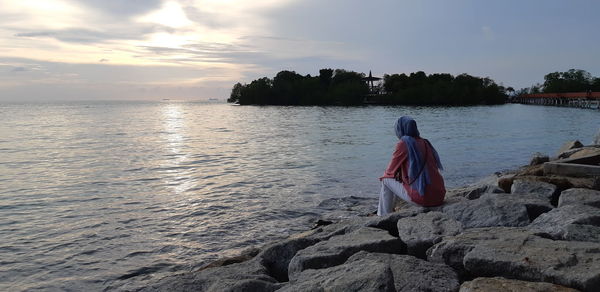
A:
570, 99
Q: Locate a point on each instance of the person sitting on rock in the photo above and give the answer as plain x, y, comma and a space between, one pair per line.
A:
413, 173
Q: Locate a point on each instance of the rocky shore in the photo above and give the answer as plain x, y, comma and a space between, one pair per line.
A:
528, 230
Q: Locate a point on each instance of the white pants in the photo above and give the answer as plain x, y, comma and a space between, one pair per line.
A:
390, 190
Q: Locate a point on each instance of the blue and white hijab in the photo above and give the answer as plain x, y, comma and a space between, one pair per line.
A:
406, 130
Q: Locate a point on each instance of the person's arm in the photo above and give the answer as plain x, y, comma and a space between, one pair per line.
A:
398, 157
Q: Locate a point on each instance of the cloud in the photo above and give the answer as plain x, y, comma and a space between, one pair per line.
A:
87, 36
120, 8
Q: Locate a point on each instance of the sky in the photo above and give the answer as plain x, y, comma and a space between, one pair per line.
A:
197, 49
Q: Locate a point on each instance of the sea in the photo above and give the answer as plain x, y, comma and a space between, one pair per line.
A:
112, 195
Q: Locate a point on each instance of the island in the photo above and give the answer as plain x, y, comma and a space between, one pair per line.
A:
349, 88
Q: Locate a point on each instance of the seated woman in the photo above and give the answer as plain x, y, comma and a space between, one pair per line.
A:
413, 173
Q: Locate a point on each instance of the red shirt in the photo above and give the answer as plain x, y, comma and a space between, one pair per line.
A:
435, 191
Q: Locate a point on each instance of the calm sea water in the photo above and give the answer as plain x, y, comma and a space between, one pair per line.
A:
96, 196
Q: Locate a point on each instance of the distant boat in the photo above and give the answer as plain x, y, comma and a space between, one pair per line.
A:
213, 99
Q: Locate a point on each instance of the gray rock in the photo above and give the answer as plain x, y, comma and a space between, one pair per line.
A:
348, 207
568, 146
473, 192
419, 233
579, 232
538, 158
390, 221
523, 186
246, 276
499, 284
498, 210
534, 203
561, 223
579, 196
519, 254
277, 256
413, 274
338, 249
359, 275
585, 151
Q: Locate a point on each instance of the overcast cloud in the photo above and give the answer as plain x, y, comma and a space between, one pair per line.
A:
197, 49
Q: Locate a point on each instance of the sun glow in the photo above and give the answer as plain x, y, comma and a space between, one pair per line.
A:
171, 15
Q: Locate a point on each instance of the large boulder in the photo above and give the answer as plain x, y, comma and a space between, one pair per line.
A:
473, 192
499, 284
359, 275
568, 146
389, 222
518, 253
277, 256
565, 182
498, 210
413, 274
424, 230
579, 196
586, 151
366, 271
570, 222
538, 158
338, 249
245, 276
524, 186
348, 207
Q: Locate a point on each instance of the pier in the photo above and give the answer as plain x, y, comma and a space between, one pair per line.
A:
569, 99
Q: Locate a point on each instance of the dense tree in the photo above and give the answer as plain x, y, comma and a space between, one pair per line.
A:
341, 87
331, 87
441, 89
574, 80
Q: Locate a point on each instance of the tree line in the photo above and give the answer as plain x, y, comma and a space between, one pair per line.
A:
573, 80
342, 87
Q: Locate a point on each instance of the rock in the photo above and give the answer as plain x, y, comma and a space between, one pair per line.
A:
562, 223
568, 146
277, 256
419, 233
579, 196
389, 222
499, 284
348, 207
338, 249
535, 204
586, 151
538, 158
498, 210
245, 255
579, 232
566, 182
473, 192
524, 186
359, 275
597, 138
517, 253
505, 182
413, 274
246, 276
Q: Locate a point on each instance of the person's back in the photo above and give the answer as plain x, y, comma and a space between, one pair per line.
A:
435, 190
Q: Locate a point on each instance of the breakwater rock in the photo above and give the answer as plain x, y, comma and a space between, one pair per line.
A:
522, 231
